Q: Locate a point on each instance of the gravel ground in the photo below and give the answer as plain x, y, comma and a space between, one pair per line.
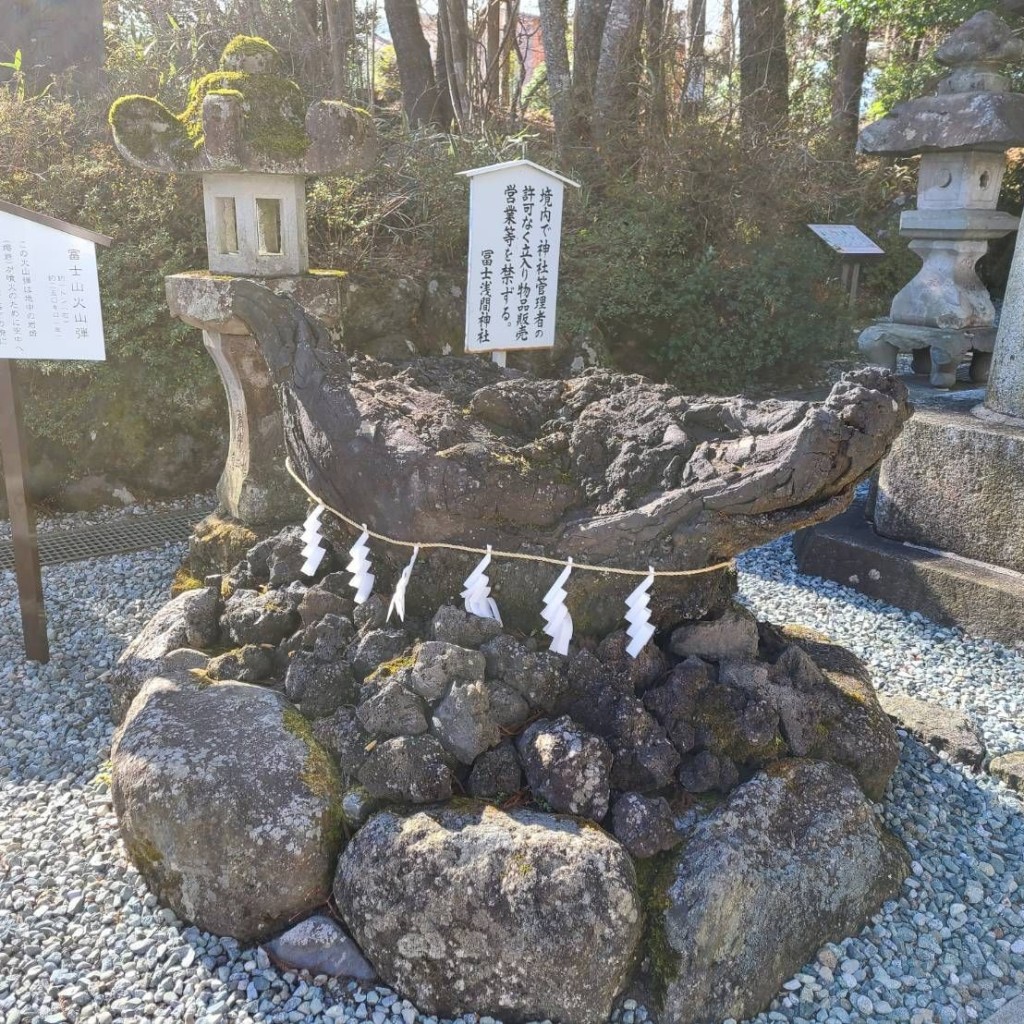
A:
82, 940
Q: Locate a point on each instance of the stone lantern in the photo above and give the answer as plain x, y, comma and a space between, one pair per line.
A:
248, 133
962, 134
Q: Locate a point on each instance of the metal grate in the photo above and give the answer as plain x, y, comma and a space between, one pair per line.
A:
119, 536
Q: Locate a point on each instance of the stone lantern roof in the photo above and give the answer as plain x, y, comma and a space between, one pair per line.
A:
973, 107
246, 117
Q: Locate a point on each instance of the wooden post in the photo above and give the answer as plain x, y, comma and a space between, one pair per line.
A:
23, 525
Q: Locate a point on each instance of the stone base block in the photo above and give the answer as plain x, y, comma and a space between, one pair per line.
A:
936, 350
955, 482
984, 600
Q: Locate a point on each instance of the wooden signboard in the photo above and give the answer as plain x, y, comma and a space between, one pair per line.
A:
49, 309
515, 231
853, 246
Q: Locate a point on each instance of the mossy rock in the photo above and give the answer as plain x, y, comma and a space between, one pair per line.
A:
272, 111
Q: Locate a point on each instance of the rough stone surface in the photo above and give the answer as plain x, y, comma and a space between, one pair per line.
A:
186, 615
393, 711
644, 825
438, 664
320, 946
454, 626
938, 726
496, 773
600, 457
539, 912
249, 664
730, 636
965, 495
413, 769
226, 804
463, 722
567, 767
319, 686
253, 618
1010, 769
795, 858
342, 735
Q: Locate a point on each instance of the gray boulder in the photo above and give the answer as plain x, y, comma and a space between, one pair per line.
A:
189, 620
522, 916
732, 635
496, 773
320, 946
439, 664
463, 722
413, 769
319, 686
939, 726
393, 711
227, 806
644, 825
538, 677
253, 618
567, 767
248, 664
344, 738
794, 859
376, 648
455, 626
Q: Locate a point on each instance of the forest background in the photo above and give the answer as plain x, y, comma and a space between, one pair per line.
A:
706, 138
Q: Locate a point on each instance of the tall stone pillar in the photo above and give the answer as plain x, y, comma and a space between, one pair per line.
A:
1005, 394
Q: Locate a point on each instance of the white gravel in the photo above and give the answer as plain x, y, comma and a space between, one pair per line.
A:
82, 940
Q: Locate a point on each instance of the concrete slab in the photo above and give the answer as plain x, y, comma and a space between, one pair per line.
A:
1011, 1013
984, 600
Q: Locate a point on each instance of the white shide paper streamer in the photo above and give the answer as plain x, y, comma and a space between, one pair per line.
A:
640, 629
359, 566
313, 549
477, 593
398, 599
557, 620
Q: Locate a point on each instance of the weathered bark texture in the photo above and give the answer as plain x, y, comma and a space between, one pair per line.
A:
848, 83
764, 64
553, 25
419, 91
615, 90
341, 25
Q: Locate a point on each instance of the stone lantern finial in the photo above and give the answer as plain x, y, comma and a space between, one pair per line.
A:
962, 134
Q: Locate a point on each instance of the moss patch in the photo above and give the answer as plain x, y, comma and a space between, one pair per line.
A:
654, 876
320, 776
184, 581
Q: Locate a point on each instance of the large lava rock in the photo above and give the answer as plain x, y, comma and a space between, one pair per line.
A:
450, 449
795, 858
227, 806
521, 915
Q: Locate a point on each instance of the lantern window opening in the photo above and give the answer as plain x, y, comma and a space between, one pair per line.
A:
227, 226
268, 227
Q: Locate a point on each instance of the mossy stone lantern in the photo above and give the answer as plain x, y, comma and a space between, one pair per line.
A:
961, 134
248, 133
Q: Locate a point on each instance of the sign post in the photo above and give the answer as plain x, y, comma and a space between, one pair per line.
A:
853, 246
515, 231
49, 309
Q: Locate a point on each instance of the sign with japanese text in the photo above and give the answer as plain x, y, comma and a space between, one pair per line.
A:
49, 292
515, 230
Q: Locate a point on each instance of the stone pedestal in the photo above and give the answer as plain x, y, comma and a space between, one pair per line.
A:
254, 487
944, 534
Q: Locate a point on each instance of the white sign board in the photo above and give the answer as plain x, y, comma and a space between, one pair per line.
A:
49, 293
846, 239
515, 231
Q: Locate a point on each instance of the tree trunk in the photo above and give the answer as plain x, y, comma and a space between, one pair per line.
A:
341, 24
412, 54
492, 79
588, 30
456, 39
764, 65
615, 90
848, 83
657, 114
691, 100
553, 24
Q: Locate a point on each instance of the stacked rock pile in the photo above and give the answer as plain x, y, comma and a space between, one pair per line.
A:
493, 819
